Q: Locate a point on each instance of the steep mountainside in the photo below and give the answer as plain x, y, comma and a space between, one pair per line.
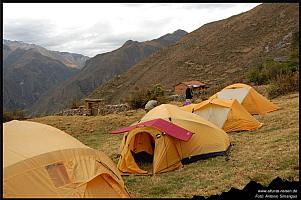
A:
217, 53
27, 74
100, 69
72, 60
6, 51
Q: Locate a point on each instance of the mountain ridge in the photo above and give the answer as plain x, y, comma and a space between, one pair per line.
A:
72, 60
217, 53
99, 70
27, 74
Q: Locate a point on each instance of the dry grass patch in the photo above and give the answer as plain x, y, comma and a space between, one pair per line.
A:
260, 155
94, 131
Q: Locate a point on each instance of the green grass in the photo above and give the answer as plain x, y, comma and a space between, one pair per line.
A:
261, 155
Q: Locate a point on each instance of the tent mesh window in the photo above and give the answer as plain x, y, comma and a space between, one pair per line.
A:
58, 174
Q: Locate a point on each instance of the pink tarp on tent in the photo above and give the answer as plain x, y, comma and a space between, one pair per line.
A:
164, 126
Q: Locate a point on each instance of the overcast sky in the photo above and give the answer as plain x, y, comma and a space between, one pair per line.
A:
91, 29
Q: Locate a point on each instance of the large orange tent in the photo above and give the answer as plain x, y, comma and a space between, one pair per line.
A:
248, 97
183, 137
226, 114
43, 161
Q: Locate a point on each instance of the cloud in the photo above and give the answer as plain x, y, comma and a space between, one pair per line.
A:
27, 30
99, 38
46, 34
208, 6
133, 5
91, 29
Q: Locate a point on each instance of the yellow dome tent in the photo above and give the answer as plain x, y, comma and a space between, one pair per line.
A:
43, 161
226, 114
249, 98
179, 136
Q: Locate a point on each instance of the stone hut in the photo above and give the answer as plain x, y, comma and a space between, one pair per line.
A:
198, 87
94, 106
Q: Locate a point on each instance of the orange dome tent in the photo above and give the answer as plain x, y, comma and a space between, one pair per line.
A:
171, 136
226, 114
43, 161
251, 100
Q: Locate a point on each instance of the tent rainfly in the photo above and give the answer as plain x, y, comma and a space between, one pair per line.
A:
43, 161
226, 114
249, 98
172, 137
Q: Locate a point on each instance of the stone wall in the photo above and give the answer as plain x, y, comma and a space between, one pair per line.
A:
115, 108
106, 109
71, 112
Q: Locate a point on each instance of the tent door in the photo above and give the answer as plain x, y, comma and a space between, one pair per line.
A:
143, 146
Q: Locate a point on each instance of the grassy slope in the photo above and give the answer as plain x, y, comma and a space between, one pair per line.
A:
259, 155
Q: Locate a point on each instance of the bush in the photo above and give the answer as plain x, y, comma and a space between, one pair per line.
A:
271, 68
255, 75
162, 99
268, 70
7, 116
283, 77
156, 91
17, 114
283, 84
75, 103
139, 98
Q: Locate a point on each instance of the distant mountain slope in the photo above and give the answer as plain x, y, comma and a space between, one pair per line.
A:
100, 69
27, 74
72, 60
6, 51
217, 53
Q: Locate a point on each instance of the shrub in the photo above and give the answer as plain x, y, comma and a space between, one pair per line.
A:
7, 116
255, 75
271, 68
156, 91
162, 99
75, 103
269, 71
17, 114
283, 77
283, 84
139, 98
